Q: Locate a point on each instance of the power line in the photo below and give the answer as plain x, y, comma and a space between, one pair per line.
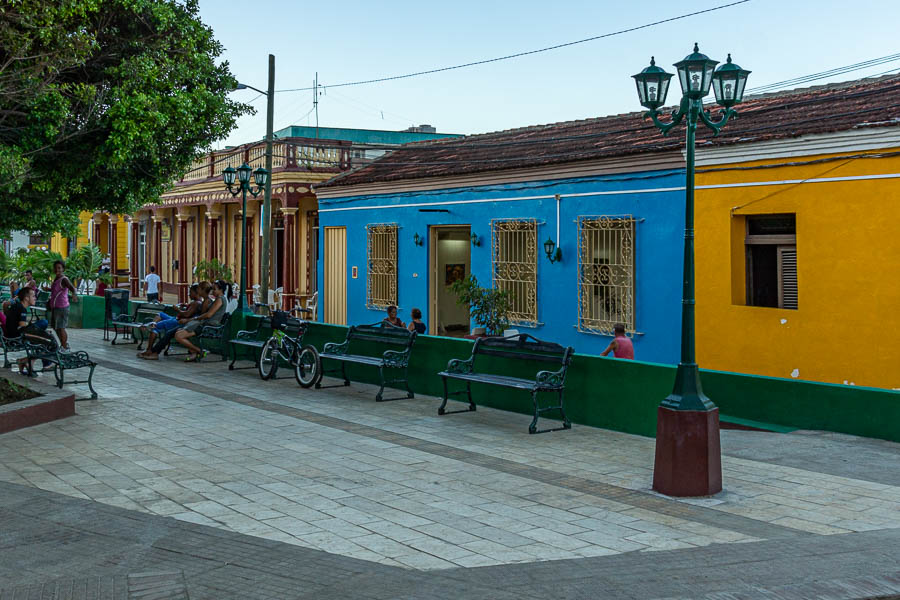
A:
829, 73
526, 53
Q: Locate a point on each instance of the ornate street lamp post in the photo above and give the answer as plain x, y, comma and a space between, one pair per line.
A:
688, 456
261, 177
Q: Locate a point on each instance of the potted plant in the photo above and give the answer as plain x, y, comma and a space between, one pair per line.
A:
490, 308
83, 267
211, 270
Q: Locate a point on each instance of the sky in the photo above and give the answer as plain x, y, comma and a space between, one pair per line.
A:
359, 40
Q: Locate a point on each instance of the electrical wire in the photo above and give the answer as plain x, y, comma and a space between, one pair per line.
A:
824, 74
526, 53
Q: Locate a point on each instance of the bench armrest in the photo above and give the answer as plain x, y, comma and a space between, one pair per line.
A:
123, 318
394, 358
211, 331
73, 360
551, 378
457, 365
335, 348
245, 335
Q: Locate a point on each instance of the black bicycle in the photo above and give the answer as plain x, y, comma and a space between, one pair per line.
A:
282, 347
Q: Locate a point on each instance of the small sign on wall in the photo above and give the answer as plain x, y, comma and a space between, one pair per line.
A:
354, 272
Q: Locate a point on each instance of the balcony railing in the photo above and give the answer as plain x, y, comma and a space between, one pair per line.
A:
292, 154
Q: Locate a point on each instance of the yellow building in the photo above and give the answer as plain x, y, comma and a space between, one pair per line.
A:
797, 245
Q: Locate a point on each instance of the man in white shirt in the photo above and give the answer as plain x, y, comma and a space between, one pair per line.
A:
152, 283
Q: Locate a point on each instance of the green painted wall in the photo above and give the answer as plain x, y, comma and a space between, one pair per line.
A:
623, 395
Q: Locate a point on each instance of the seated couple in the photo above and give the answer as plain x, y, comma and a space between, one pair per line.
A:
208, 305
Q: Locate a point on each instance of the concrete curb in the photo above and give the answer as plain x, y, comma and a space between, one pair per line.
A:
52, 404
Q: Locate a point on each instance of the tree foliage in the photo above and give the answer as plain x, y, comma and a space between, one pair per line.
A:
103, 103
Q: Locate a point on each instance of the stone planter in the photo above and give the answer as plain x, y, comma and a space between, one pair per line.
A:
52, 405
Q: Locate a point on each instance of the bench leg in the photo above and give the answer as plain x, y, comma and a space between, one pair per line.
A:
344, 374
566, 424
60, 374
378, 396
116, 336
6, 363
90, 382
233, 357
468, 391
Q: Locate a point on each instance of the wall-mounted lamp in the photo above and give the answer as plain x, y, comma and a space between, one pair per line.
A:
475, 240
553, 253
417, 240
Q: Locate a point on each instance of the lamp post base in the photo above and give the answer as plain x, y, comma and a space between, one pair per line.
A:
688, 455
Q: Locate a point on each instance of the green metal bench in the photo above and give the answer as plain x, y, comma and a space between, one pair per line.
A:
134, 325
38, 310
10, 346
45, 348
212, 338
381, 334
522, 347
250, 339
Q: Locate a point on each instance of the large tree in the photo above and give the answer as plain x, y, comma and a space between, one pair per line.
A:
103, 103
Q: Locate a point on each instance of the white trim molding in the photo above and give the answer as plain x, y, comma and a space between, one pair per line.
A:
854, 140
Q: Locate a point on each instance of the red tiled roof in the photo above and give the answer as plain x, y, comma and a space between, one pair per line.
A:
871, 102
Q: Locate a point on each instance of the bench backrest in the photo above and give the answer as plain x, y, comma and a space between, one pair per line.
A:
149, 310
116, 303
382, 334
42, 298
525, 347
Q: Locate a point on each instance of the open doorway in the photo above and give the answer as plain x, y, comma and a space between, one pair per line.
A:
450, 260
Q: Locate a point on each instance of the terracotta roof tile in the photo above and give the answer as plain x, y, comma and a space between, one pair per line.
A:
871, 102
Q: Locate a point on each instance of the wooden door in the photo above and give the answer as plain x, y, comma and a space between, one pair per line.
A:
335, 300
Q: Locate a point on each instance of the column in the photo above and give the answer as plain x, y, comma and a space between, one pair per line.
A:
98, 220
289, 273
112, 226
182, 257
157, 244
212, 234
134, 267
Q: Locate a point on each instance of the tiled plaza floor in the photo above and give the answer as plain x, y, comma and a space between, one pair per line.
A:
394, 484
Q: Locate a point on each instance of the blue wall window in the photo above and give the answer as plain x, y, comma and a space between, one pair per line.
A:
381, 270
605, 273
514, 262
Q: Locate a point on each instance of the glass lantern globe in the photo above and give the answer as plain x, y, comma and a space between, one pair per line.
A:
228, 175
728, 83
261, 177
549, 246
652, 85
244, 174
695, 74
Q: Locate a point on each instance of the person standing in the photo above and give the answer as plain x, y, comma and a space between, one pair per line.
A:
152, 282
59, 302
621, 346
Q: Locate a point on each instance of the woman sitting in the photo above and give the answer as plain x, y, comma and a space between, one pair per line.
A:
220, 292
161, 335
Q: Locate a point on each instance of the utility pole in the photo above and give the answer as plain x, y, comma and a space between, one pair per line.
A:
316, 101
266, 219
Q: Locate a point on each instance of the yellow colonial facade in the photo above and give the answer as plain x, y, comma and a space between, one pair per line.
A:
798, 255
198, 219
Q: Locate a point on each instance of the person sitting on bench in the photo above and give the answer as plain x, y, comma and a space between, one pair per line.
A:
17, 322
164, 328
213, 316
184, 314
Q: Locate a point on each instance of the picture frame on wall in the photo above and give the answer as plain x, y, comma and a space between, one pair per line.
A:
454, 272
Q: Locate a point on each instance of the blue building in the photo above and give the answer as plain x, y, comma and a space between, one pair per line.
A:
605, 192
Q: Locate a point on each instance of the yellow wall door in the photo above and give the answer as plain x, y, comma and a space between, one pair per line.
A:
336, 275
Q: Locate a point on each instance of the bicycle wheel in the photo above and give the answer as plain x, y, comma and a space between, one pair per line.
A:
308, 367
268, 359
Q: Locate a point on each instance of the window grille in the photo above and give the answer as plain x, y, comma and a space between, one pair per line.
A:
605, 273
381, 255
514, 255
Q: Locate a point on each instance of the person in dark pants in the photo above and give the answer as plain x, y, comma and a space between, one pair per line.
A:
152, 281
